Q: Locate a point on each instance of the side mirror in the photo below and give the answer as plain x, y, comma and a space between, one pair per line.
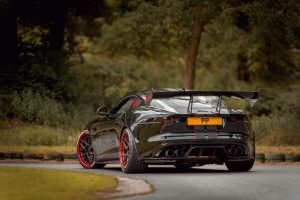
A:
102, 111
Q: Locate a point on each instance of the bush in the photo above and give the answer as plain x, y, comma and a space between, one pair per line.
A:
33, 107
38, 109
277, 129
16, 133
277, 116
102, 81
44, 136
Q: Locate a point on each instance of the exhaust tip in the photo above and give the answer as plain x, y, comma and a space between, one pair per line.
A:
235, 151
179, 152
169, 153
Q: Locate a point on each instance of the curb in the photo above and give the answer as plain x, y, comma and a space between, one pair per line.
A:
274, 157
260, 157
128, 187
11, 155
38, 156
292, 157
279, 157
53, 156
32, 156
71, 156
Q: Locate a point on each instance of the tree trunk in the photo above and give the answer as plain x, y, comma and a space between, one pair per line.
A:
56, 33
8, 47
57, 25
190, 68
242, 71
8, 37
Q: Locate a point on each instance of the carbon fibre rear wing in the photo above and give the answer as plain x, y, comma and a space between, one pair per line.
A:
253, 96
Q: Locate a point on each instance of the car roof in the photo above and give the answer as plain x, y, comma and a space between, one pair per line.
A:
143, 93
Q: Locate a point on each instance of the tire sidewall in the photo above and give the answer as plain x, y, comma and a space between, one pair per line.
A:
125, 131
83, 134
132, 151
240, 166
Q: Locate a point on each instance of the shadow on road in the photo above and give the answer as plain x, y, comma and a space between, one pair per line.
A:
172, 170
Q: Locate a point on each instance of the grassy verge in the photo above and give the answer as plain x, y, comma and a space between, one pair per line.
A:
17, 133
72, 149
278, 129
278, 149
38, 149
23, 183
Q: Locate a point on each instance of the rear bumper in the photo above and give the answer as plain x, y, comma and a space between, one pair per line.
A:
191, 149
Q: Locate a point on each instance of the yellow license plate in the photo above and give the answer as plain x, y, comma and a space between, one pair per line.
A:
192, 121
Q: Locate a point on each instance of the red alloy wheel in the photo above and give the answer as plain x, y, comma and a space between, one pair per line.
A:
124, 150
85, 152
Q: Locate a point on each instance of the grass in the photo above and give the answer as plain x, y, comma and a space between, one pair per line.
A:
38, 149
17, 133
278, 149
72, 149
30, 184
279, 129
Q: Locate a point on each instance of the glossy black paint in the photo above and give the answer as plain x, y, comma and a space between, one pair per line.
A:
155, 136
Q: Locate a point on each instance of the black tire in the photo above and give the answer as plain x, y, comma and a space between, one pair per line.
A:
128, 155
85, 156
85, 152
184, 166
240, 166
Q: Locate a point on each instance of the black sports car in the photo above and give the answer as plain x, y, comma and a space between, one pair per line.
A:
170, 126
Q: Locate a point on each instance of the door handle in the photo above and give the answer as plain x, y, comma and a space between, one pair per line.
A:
116, 123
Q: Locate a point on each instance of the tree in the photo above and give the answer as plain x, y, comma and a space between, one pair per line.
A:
264, 35
268, 38
205, 12
157, 27
34, 46
8, 41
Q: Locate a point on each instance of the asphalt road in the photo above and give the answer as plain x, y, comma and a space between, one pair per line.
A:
207, 182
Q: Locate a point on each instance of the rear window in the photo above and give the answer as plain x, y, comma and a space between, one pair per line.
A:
179, 103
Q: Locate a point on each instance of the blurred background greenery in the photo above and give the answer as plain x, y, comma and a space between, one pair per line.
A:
61, 60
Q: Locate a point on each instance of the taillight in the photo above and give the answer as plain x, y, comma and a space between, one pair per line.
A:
236, 118
169, 120
163, 120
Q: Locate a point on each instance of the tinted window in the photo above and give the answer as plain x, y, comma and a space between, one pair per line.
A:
179, 104
126, 106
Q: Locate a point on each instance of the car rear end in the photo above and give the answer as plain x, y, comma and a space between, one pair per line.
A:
187, 130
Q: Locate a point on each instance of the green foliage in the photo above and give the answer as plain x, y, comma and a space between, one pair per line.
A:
44, 72
4, 4
279, 99
257, 48
102, 81
268, 42
16, 133
33, 107
43, 136
278, 123
280, 128
140, 44
253, 41
155, 28
237, 104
